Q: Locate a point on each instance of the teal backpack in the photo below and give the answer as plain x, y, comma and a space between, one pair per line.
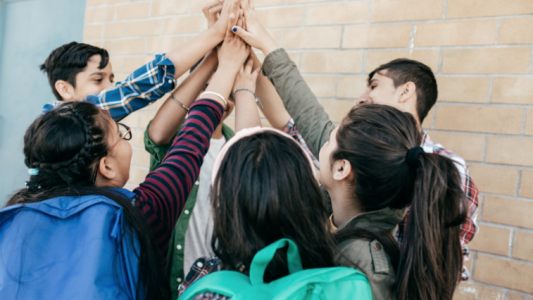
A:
312, 284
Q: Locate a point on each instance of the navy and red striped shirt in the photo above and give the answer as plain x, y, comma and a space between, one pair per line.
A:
161, 197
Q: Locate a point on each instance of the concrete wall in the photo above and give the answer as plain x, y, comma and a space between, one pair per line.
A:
480, 50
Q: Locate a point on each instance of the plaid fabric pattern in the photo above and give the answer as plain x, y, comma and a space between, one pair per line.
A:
142, 87
200, 268
291, 130
469, 228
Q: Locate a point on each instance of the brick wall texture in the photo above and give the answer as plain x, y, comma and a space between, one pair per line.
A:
480, 50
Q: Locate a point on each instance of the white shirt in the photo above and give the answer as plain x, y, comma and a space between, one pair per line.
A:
200, 227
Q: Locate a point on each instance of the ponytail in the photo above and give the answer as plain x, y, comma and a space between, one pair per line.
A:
431, 259
390, 169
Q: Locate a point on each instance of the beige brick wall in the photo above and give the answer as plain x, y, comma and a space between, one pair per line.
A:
480, 50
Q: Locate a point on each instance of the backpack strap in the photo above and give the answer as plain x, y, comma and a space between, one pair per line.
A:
263, 258
226, 283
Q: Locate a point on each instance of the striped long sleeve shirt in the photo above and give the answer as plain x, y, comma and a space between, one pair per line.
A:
161, 197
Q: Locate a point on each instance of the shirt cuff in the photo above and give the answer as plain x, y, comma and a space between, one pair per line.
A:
166, 66
274, 59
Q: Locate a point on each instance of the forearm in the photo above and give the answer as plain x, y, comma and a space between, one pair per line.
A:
185, 56
171, 115
221, 82
246, 115
301, 103
273, 108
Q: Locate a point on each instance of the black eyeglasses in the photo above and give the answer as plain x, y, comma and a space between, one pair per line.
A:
125, 134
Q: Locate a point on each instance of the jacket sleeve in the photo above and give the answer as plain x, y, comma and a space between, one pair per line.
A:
301, 103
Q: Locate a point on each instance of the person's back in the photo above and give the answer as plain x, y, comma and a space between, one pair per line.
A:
264, 190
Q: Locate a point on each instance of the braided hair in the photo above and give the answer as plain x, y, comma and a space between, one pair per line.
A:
64, 148
65, 145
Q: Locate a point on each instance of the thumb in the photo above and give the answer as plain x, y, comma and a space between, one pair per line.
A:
243, 34
229, 34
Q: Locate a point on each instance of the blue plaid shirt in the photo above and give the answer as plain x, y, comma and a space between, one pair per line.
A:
142, 87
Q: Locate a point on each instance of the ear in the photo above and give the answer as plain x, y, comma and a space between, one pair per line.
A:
342, 169
65, 90
408, 91
106, 169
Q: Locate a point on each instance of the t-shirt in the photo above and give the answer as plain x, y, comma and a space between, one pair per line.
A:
200, 229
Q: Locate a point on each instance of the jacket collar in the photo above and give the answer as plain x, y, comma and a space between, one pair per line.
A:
386, 218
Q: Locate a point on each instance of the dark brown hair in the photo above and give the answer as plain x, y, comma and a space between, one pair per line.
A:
405, 70
375, 139
65, 62
65, 145
264, 191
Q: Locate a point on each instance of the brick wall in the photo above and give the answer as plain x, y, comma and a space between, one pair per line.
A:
480, 50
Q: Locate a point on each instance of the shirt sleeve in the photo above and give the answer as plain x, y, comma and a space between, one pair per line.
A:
140, 89
162, 196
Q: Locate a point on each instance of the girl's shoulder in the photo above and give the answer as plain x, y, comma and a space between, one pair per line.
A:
370, 258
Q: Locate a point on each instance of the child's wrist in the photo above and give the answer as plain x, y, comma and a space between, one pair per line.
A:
228, 68
269, 47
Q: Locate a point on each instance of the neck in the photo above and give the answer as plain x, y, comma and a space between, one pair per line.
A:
343, 207
217, 135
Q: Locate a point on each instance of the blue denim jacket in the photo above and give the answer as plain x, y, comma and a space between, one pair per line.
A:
67, 248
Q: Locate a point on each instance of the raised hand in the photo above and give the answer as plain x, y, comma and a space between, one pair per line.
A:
255, 34
234, 50
211, 11
230, 7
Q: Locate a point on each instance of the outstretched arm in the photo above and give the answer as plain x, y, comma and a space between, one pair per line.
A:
162, 196
273, 107
301, 103
246, 115
171, 115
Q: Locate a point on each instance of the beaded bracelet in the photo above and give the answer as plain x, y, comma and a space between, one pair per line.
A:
256, 99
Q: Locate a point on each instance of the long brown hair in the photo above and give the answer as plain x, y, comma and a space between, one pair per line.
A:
265, 190
376, 139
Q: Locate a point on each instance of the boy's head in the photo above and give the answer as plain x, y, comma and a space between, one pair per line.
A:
76, 70
405, 84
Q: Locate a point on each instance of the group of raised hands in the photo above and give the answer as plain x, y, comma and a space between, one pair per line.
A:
238, 68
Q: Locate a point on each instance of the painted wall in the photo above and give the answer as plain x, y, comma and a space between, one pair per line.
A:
480, 50
29, 31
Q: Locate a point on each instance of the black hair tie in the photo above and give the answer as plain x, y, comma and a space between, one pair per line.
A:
412, 157
32, 186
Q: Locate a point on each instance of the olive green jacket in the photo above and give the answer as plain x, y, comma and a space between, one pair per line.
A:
175, 256
312, 120
368, 256
315, 125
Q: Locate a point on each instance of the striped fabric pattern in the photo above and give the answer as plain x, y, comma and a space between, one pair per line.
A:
161, 197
